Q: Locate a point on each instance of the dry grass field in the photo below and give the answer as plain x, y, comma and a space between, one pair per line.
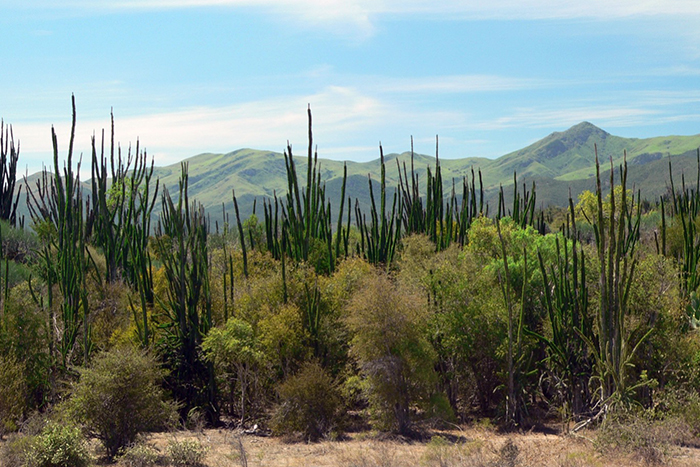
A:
470, 447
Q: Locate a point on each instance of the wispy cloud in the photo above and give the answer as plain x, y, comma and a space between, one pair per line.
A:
543, 9
359, 17
547, 118
458, 84
266, 124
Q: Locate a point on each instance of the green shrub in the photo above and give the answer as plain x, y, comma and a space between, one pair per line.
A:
309, 403
138, 455
16, 451
59, 445
118, 397
388, 322
186, 453
17, 244
12, 393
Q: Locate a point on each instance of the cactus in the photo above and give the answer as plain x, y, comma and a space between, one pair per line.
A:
182, 248
566, 301
121, 218
9, 154
686, 208
379, 238
304, 215
58, 202
443, 224
616, 239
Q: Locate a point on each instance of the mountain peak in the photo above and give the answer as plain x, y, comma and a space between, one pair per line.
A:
584, 130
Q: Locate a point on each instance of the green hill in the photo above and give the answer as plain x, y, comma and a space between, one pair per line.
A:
559, 163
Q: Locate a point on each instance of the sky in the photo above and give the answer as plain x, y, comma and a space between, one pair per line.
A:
184, 77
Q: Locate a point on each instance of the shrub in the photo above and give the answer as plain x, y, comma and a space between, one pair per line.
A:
59, 445
16, 451
186, 453
12, 391
389, 322
119, 397
309, 403
138, 455
17, 244
642, 434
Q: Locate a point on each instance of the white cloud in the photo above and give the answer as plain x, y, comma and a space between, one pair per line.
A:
172, 136
358, 17
544, 9
458, 84
558, 118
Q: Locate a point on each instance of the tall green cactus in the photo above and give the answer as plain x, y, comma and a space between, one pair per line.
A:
523, 210
58, 203
182, 248
381, 236
304, 216
119, 207
566, 301
616, 239
9, 154
122, 204
686, 208
443, 223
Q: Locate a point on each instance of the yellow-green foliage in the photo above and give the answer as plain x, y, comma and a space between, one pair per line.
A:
236, 353
120, 396
110, 313
308, 404
13, 390
23, 338
59, 445
388, 322
587, 207
186, 453
282, 338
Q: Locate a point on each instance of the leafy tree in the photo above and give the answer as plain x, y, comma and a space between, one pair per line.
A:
235, 351
388, 325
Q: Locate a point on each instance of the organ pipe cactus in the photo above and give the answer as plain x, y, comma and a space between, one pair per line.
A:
9, 154
58, 203
182, 248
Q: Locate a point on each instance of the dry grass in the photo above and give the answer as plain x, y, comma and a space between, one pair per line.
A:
472, 447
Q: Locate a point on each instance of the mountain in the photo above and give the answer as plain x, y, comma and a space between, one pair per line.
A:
559, 163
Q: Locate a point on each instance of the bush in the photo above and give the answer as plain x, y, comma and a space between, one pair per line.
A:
643, 435
309, 403
119, 397
138, 455
17, 244
12, 393
389, 323
186, 453
16, 452
59, 446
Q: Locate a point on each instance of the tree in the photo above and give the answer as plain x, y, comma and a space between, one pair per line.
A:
388, 324
235, 351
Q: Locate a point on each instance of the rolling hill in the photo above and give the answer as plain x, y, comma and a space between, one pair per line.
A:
559, 163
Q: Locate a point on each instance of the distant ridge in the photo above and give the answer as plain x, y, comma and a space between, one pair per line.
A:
558, 162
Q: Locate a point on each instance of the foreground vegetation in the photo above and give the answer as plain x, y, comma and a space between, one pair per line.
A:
428, 311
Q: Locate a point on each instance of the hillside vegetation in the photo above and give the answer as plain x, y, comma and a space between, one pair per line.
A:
422, 309
556, 163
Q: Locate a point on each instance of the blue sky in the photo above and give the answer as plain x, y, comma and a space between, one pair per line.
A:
488, 77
